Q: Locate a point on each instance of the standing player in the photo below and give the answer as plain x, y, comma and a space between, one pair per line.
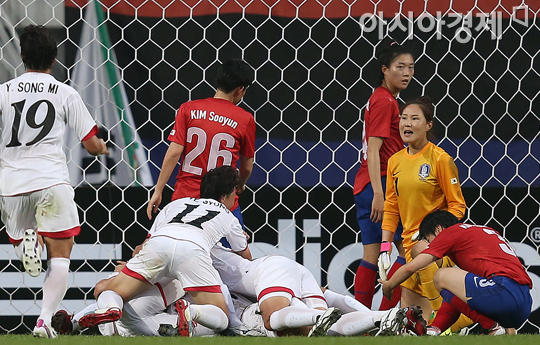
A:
490, 286
380, 140
421, 178
209, 133
37, 198
179, 247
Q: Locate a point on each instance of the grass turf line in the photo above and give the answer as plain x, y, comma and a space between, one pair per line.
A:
520, 339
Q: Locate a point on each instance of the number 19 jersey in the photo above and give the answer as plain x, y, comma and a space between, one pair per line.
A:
35, 109
214, 132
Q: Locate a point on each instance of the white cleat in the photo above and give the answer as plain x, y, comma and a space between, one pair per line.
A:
324, 322
497, 329
31, 253
393, 322
43, 331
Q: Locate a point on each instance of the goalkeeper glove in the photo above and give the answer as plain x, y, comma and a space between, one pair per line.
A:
384, 260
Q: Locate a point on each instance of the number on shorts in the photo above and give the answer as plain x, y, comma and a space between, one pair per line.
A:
214, 153
197, 221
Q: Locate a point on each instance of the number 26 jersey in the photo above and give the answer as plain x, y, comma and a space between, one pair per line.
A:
214, 132
35, 109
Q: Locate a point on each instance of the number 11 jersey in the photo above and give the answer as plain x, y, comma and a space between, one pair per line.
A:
35, 109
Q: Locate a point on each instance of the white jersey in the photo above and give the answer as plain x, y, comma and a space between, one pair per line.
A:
231, 267
201, 221
35, 109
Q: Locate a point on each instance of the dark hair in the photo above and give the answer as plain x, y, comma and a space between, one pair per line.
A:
386, 52
428, 109
433, 220
232, 74
219, 182
38, 48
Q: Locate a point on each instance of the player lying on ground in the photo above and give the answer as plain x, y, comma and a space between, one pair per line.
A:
275, 281
182, 236
490, 286
143, 314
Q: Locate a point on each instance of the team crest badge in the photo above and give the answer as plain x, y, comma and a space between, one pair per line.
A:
424, 171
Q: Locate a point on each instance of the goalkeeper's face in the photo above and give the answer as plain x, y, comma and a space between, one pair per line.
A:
413, 126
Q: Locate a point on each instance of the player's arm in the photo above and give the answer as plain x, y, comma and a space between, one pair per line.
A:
244, 172
95, 146
374, 170
169, 163
246, 254
404, 272
391, 208
449, 183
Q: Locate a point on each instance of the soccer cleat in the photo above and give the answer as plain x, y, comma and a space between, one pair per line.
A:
31, 253
61, 322
43, 331
433, 331
100, 316
185, 324
324, 322
497, 329
253, 322
166, 330
393, 322
415, 322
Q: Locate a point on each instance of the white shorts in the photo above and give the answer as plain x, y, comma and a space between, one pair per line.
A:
163, 256
275, 275
52, 211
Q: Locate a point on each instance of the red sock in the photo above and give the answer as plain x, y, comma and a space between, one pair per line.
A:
386, 303
364, 283
446, 316
462, 307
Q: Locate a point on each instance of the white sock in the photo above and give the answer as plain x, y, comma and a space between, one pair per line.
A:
81, 313
203, 331
293, 317
210, 316
108, 299
234, 321
54, 287
346, 304
354, 323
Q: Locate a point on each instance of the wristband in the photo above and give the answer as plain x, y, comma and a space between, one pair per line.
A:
385, 246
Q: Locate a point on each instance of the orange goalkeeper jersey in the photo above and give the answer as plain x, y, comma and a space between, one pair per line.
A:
417, 185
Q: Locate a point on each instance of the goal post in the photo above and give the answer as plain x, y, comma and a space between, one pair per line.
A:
314, 67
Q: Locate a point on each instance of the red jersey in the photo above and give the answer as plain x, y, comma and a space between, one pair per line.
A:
479, 250
381, 119
214, 132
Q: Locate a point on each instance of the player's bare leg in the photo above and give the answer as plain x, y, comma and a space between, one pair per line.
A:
453, 280
410, 298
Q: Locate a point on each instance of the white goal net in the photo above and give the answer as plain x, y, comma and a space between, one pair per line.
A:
135, 61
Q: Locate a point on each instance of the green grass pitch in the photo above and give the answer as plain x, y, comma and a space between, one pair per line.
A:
521, 339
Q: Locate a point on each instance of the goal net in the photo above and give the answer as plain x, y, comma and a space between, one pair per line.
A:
135, 61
